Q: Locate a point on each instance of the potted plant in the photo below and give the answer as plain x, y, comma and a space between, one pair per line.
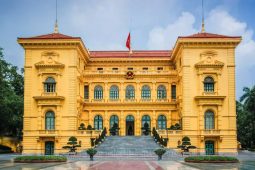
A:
91, 152
114, 129
160, 152
146, 129
82, 127
89, 127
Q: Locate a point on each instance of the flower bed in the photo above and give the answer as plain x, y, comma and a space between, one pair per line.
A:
211, 159
39, 159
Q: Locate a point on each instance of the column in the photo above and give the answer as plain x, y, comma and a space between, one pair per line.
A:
106, 92
169, 119
122, 92
122, 124
153, 120
154, 91
106, 122
138, 124
138, 92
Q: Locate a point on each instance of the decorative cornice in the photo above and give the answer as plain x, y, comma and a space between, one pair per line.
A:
214, 64
54, 64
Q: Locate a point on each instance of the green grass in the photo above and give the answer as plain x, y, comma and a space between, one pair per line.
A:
211, 158
41, 158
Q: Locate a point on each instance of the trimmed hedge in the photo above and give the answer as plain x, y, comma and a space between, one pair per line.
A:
40, 159
213, 159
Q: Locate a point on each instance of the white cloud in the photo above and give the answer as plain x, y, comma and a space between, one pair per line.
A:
165, 38
220, 22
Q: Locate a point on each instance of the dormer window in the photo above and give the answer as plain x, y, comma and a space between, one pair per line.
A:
50, 85
208, 84
145, 68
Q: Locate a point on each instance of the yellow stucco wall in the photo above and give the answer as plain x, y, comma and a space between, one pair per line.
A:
70, 64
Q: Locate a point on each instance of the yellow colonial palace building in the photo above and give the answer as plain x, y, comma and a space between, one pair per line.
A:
186, 91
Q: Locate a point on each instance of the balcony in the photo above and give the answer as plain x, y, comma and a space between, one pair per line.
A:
169, 132
211, 132
136, 72
48, 132
89, 132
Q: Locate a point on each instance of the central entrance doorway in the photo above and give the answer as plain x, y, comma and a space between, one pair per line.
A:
130, 125
49, 148
209, 147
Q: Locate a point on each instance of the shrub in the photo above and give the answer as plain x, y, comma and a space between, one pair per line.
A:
186, 145
160, 151
89, 127
211, 158
41, 158
72, 144
82, 127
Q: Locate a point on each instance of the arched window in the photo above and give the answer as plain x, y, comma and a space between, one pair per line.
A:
98, 122
161, 92
98, 92
50, 120
130, 92
209, 120
114, 119
208, 84
162, 122
146, 92
50, 85
114, 92
146, 119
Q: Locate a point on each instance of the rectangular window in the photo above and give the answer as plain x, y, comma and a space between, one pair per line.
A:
130, 68
160, 68
86, 92
115, 69
145, 68
173, 91
100, 69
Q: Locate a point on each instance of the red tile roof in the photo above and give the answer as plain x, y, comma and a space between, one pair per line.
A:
208, 35
135, 54
52, 36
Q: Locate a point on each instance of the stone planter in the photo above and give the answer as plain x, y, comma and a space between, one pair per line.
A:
194, 161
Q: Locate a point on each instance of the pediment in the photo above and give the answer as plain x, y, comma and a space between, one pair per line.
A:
209, 63
47, 64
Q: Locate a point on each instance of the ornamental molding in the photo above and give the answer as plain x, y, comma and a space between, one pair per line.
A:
53, 64
210, 100
49, 100
209, 64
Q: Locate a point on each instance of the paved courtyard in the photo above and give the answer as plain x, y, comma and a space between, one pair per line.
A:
247, 162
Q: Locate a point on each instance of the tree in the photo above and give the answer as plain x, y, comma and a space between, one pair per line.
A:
11, 98
246, 118
186, 144
72, 144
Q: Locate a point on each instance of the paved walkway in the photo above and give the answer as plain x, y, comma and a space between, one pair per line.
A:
123, 165
247, 162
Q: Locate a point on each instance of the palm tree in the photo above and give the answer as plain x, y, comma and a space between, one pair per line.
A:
248, 99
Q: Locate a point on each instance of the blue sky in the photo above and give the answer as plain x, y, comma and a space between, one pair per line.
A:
155, 24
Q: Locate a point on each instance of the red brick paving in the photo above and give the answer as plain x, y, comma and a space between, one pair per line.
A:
124, 165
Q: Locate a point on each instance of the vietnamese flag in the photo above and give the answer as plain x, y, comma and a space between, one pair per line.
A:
128, 43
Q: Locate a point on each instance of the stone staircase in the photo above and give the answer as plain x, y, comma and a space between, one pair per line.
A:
131, 148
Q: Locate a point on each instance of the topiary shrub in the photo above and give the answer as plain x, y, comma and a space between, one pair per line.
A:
160, 152
89, 127
82, 127
72, 144
91, 152
146, 129
186, 145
